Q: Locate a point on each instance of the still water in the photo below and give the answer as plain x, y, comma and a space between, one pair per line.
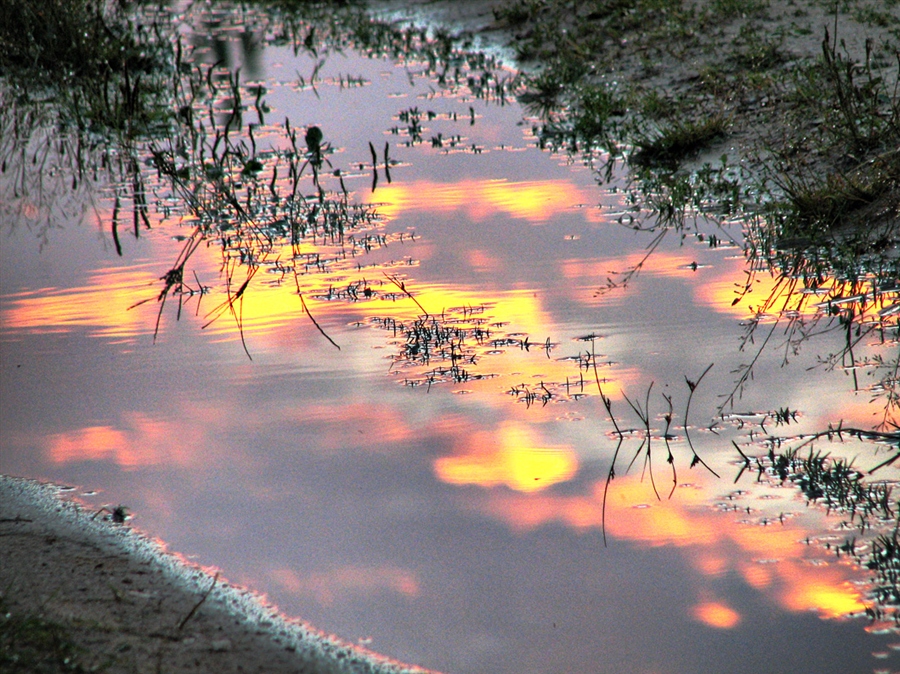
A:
445, 511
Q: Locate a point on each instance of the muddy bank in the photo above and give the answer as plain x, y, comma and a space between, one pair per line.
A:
83, 592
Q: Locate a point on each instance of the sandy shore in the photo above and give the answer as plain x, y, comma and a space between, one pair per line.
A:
79, 585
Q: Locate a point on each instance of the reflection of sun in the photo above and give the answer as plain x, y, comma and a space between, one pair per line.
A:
508, 456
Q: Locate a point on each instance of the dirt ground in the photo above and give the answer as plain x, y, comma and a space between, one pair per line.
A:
81, 592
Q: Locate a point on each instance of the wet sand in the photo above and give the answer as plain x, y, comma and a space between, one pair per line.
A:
126, 605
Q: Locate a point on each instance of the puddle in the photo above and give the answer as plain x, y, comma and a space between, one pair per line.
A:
396, 422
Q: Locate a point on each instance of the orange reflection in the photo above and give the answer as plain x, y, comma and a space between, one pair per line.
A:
95, 443
483, 261
660, 263
534, 201
136, 441
586, 275
326, 587
508, 456
144, 442
826, 592
770, 558
716, 614
344, 425
102, 304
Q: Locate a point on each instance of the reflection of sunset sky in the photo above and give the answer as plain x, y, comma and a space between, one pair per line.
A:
101, 305
518, 465
510, 456
770, 558
535, 201
272, 304
327, 587
515, 458
454, 510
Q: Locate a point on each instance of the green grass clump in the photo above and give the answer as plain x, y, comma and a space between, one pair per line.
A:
102, 69
596, 107
859, 136
817, 207
65, 38
33, 645
756, 51
733, 8
679, 140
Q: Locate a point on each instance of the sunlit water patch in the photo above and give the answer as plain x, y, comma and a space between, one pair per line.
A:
370, 372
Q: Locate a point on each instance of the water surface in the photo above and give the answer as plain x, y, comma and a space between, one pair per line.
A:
445, 511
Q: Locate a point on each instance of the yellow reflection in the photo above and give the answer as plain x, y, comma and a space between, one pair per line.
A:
534, 201
728, 292
830, 595
716, 614
266, 310
508, 456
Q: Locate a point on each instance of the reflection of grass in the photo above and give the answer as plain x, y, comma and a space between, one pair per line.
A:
67, 39
140, 92
100, 69
869, 506
817, 184
832, 227
835, 484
